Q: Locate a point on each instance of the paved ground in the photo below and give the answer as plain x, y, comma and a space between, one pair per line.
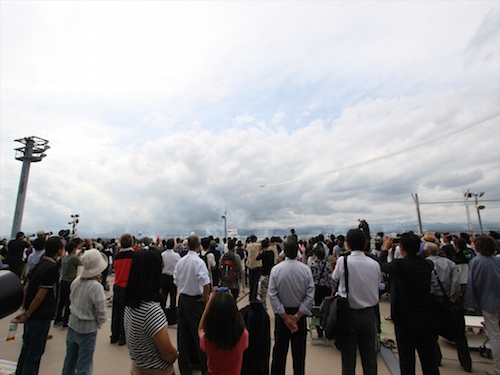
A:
320, 360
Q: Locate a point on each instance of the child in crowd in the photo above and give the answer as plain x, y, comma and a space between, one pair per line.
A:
88, 313
223, 340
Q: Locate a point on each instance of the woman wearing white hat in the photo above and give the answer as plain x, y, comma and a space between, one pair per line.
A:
88, 313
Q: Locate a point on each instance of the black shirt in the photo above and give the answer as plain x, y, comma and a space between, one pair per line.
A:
15, 251
43, 276
267, 258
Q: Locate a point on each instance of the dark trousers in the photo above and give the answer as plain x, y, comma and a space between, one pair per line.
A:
366, 322
190, 312
63, 303
462, 351
410, 338
117, 330
34, 339
254, 282
282, 338
168, 288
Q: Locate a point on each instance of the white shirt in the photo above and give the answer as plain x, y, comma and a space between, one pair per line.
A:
364, 279
191, 274
170, 259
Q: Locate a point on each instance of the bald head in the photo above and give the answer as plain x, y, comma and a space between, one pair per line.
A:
193, 242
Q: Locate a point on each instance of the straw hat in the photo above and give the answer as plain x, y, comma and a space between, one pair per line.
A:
430, 237
93, 262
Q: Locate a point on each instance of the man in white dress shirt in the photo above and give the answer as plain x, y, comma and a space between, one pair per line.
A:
363, 277
168, 288
192, 279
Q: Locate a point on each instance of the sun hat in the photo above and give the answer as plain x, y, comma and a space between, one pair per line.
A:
93, 262
430, 237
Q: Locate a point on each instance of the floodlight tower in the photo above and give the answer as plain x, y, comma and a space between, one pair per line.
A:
32, 152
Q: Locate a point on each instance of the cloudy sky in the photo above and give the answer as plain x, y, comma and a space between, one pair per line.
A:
162, 115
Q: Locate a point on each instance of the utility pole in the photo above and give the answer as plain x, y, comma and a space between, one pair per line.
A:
32, 152
415, 199
467, 195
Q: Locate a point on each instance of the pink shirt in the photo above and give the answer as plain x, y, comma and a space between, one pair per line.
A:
224, 362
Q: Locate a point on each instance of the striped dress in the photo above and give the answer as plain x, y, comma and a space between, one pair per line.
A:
141, 324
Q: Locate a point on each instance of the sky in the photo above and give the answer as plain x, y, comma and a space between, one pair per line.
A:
161, 116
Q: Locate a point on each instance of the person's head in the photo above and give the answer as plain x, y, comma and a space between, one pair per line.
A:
486, 245
213, 246
19, 235
230, 245
93, 263
319, 251
460, 244
223, 322
39, 243
71, 247
431, 249
194, 242
356, 239
291, 247
205, 243
53, 247
410, 243
126, 240
144, 279
253, 238
340, 240
265, 243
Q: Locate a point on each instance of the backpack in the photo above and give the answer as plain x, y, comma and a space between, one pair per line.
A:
227, 267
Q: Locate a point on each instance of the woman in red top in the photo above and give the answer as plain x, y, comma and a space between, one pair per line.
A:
223, 336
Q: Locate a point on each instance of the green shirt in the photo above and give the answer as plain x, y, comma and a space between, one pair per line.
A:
69, 267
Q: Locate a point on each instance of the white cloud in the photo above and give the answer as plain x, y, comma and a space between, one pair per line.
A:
161, 115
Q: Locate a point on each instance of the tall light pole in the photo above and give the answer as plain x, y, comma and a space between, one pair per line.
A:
479, 206
467, 195
224, 217
32, 152
74, 221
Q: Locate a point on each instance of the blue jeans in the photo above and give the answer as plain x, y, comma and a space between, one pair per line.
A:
79, 353
34, 339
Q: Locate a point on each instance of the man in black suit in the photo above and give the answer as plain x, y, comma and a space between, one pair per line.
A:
411, 308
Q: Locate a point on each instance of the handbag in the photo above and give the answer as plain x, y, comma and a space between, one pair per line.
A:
337, 319
450, 317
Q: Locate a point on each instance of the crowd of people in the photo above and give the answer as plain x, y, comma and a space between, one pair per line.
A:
193, 282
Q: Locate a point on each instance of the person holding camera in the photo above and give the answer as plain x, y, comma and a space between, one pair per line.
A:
223, 340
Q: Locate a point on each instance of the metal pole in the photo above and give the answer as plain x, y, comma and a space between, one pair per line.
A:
415, 199
469, 221
477, 209
32, 152
225, 225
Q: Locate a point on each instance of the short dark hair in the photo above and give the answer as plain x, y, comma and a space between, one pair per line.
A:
223, 323
144, 280
170, 243
39, 243
410, 243
291, 247
265, 242
19, 235
71, 246
193, 241
486, 245
126, 240
230, 245
319, 251
460, 243
205, 243
356, 239
52, 246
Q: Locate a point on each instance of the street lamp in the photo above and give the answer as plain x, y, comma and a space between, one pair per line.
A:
74, 221
32, 152
224, 217
479, 206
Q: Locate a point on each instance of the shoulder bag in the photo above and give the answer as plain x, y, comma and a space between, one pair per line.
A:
336, 315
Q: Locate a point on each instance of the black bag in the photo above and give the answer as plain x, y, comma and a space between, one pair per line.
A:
336, 315
450, 317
